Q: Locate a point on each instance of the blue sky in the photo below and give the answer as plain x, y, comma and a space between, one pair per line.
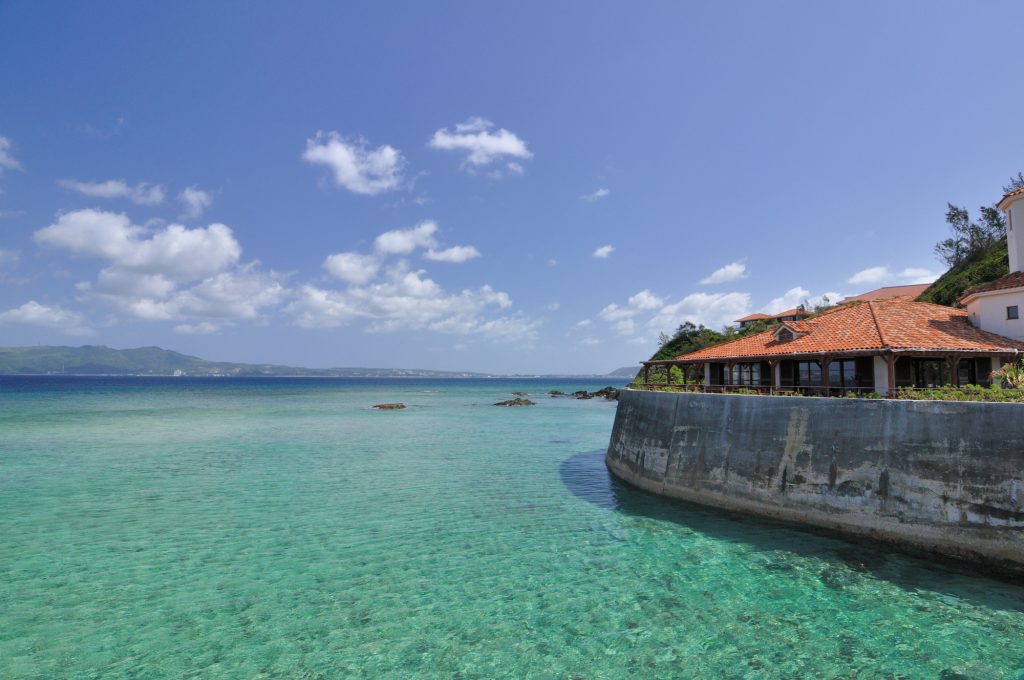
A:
527, 187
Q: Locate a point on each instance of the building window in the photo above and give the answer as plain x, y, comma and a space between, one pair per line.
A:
1012, 312
930, 372
842, 373
743, 374
808, 374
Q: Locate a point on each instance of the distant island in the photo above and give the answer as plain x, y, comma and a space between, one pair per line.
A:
156, 361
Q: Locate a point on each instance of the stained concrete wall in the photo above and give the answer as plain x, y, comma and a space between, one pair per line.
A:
946, 477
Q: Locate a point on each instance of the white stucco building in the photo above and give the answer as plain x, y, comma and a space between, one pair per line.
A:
997, 307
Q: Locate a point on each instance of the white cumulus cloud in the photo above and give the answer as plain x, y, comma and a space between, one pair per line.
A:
734, 271
603, 252
352, 267
142, 193
175, 252
482, 143
404, 241
354, 164
173, 273
714, 310
57, 318
797, 296
409, 300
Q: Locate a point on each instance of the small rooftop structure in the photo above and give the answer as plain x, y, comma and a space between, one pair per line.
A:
794, 314
908, 292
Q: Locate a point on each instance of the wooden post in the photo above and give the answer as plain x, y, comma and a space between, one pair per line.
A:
890, 362
954, 370
825, 363
647, 374
773, 368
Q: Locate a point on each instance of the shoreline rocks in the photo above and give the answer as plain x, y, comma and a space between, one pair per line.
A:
608, 393
518, 401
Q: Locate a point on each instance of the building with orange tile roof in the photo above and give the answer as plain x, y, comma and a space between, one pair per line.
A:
873, 346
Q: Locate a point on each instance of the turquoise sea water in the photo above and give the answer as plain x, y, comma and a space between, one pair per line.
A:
176, 528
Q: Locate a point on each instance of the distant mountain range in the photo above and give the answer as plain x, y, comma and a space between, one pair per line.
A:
100, 360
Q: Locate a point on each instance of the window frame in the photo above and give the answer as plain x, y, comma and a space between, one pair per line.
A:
1015, 314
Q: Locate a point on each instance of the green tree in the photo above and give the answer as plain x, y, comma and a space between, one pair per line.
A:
969, 238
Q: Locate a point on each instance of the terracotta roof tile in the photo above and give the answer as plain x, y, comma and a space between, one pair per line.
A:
908, 292
889, 324
1014, 280
754, 317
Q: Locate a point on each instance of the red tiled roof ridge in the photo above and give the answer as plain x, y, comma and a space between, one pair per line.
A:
878, 326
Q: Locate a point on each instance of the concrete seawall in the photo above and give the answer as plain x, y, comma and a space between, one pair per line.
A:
946, 477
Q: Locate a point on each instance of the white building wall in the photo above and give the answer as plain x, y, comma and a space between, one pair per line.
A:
881, 375
707, 374
988, 311
1014, 235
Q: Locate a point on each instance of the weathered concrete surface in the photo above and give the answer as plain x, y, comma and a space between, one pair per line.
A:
947, 477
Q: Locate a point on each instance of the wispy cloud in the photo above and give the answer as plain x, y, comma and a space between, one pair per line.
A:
595, 195
142, 193
194, 201
603, 252
883, 275
7, 160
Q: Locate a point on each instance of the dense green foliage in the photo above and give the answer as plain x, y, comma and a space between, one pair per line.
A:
982, 267
963, 393
690, 338
99, 360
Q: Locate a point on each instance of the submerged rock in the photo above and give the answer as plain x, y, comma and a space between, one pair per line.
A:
389, 407
556, 393
518, 401
519, 394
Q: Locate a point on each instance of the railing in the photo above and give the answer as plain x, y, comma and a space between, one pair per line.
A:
793, 390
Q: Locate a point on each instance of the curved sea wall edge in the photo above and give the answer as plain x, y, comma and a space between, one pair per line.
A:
944, 477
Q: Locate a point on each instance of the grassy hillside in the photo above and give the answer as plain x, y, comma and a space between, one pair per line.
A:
988, 265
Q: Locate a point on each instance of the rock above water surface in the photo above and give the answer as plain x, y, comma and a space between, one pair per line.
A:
609, 393
389, 407
518, 401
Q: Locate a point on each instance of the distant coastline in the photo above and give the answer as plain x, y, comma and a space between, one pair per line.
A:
149, 362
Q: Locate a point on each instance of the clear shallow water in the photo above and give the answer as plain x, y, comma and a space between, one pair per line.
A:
244, 528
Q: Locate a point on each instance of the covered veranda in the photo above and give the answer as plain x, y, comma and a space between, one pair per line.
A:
825, 374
